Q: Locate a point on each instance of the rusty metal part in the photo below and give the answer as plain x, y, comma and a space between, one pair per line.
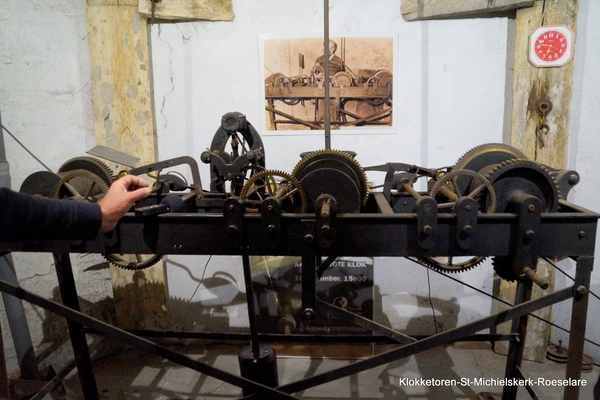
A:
42, 183
522, 176
92, 165
560, 354
477, 185
86, 186
336, 173
446, 186
81, 185
278, 184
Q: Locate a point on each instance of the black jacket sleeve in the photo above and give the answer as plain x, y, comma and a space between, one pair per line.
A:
26, 218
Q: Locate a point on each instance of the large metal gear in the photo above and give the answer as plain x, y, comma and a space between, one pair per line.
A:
278, 184
483, 157
92, 165
86, 186
335, 173
478, 184
81, 185
523, 176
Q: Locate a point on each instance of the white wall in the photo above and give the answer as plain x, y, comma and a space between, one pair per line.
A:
45, 100
584, 156
451, 80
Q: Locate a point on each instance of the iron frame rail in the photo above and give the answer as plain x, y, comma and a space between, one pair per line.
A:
571, 232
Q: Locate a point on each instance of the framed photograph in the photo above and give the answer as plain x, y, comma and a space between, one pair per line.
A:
361, 83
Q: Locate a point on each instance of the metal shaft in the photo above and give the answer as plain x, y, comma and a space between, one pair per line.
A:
326, 83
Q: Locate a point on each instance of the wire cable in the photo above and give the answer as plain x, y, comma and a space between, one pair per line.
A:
567, 275
26, 149
498, 299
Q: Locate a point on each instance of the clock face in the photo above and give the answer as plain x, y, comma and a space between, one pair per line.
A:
551, 46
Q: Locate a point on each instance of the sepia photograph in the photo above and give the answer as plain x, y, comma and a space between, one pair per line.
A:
360, 79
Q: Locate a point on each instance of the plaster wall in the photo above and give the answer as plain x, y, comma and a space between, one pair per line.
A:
45, 100
450, 97
584, 154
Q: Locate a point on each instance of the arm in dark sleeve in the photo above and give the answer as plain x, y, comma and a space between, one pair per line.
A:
25, 218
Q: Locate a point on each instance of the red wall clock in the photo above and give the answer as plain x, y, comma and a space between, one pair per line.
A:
551, 46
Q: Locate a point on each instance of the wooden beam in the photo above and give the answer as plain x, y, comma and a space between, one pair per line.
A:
420, 10
122, 104
211, 10
531, 84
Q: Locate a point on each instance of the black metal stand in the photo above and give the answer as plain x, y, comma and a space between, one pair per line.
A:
521, 236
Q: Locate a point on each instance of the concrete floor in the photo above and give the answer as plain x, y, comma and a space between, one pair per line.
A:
136, 375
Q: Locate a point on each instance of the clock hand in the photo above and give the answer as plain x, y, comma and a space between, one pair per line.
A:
549, 48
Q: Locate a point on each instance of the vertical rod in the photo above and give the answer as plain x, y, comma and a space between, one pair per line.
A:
578, 322
309, 285
250, 302
326, 83
68, 292
517, 344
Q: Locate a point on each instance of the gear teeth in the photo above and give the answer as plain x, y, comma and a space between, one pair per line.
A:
461, 267
79, 173
345, 154
502, 266
281, 174
119, 263
481, 149
498, 169
92, 165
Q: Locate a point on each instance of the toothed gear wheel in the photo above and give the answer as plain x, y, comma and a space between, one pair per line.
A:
335, 173
91, 188
92, 165
523, 176
451, 264
274, 183
482, 157
503, 267
480, 184
81, 185
133, 262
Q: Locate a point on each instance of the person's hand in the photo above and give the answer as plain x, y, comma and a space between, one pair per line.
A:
121, 196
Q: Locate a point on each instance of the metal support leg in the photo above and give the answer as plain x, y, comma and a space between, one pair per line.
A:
578, 322
517, 345
68, 292
15, 312
309, 285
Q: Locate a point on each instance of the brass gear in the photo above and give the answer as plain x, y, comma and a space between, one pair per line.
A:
526, 176
274, 183
92, 165
88, 187
483, 157
486, 154
345, 159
